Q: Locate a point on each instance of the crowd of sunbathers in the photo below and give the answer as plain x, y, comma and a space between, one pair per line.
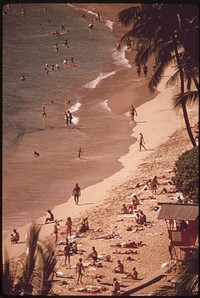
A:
71, 246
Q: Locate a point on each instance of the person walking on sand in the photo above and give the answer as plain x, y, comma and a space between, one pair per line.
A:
141, 142
76, 193
67, 251
154, 185
133, 112
116, 287
79, 270
56, 230
80, 153
69, 226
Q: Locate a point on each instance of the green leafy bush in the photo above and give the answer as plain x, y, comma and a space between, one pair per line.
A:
186, 176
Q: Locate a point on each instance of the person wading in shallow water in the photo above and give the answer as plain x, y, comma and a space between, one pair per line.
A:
133, 112
141, 142
80, 153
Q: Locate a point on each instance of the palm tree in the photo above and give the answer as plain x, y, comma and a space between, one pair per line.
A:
163, 30
187, 278
38, 266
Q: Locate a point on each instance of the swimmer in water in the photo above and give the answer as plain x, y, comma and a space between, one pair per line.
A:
91, 25
65, 61
44, 112
36, 153
66, 43
22, 78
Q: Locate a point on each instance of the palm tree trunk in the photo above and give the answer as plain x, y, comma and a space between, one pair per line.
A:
183, 103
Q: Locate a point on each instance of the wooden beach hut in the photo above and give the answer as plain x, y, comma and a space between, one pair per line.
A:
182, 222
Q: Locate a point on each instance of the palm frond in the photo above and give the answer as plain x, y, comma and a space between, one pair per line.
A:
127, 16
187, 96
7, 278
49, 262
173, 79
32, 239
188, 276
164, 61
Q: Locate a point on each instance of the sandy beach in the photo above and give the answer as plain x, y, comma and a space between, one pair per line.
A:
165, 139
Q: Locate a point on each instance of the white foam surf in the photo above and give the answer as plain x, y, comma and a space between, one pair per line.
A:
102, 76
120, 59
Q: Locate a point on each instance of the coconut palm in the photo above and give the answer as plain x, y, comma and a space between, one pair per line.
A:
163, 30
38, 266
187, 278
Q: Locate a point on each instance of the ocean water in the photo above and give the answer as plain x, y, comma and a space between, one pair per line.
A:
29, 182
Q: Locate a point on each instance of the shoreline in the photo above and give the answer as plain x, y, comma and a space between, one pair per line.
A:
122, 75
61, 185
130, 162
149, 118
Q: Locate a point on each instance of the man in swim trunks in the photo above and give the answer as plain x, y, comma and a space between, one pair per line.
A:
76, 193
79, 270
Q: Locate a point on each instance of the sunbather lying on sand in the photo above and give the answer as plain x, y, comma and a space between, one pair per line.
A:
106, 236
126, 252
172, 189
132, 244
155, 208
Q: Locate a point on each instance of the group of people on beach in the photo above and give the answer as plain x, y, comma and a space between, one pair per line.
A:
71, 247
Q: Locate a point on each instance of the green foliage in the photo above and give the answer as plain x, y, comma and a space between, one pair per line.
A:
187, 278
188, 275
38, 266
186, 172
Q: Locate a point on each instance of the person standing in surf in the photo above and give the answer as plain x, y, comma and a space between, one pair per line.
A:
69, 114
80, 153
